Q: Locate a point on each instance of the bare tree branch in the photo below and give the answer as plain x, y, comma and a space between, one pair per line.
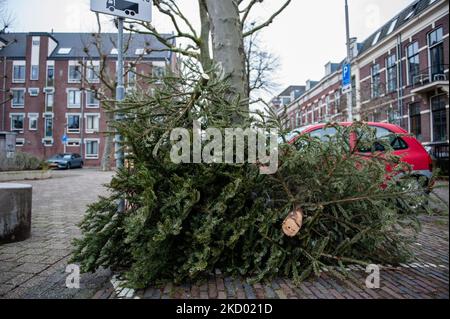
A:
268, 21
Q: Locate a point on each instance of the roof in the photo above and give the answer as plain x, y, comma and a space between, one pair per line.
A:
80, 42
292, 88
413, 10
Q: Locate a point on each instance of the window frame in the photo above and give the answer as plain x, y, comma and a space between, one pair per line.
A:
72, 130
20, 64
73, 106
87, 155
18, 106
13, 129
95, 129
31, 117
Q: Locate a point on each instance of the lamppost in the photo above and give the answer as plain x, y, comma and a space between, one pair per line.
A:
349, 63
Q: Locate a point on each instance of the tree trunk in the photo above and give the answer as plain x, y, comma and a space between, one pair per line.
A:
228, 45
108, 146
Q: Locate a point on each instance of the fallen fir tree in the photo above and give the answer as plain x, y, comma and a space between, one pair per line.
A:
182, 221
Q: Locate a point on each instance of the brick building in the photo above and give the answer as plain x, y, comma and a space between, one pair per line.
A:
49, 87
400, 74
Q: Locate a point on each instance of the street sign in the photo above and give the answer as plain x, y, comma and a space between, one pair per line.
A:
65, 139
131, 9
346, 78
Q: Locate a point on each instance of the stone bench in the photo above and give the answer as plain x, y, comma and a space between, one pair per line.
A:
15, 212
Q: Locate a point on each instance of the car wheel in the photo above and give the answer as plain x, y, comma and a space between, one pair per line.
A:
69, 166
132, 13
81, 165
111, 9
127, 12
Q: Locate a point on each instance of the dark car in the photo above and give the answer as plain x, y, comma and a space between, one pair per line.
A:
65, 161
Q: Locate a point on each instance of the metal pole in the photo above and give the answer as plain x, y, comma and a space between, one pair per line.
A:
120, 96
349, 61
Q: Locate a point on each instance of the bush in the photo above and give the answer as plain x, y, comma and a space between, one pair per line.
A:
21, 162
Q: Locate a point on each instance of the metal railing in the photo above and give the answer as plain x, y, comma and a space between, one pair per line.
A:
430, 75
440, 155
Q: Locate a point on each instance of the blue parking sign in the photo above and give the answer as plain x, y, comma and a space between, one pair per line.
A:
65, 139
346, 75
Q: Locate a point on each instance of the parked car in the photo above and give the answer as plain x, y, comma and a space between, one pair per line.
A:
65, 161
408, 148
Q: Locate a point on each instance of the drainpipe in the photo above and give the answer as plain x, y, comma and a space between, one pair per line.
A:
400, 79
4, 93
83, 99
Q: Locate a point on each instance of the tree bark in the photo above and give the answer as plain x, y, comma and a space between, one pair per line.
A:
108, 146
228, 45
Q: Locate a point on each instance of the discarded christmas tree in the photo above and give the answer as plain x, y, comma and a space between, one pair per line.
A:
182, 221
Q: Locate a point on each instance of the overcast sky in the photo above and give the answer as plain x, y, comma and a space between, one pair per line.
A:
306, 36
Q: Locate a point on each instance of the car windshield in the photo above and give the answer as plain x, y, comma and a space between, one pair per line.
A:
293, 134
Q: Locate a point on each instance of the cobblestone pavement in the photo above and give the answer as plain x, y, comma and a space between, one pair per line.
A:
425, 278
35, 268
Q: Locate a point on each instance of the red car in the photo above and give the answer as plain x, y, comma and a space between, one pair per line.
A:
405, 146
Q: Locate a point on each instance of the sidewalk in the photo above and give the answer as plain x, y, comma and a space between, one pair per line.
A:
35, 268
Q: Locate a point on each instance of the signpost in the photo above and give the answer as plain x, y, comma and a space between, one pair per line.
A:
346, 78
65, 139
130, 9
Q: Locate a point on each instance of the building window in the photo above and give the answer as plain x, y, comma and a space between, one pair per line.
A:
92, 147
34, 73
436, 47
93, 72
49, 101
17, 122
33, 121
74, 72
18, 100
74, 98
440, 132
413, 63
73, 123
376, 80
391, 65
50, 75
20, 142
73, 142
337, 101
91, 100
415, 120
19, 72
48, 126
159, 71
92, 123
132, 77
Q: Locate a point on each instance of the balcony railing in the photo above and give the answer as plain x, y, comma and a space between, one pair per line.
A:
433, 74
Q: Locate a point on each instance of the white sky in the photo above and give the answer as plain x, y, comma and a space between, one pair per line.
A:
305, 37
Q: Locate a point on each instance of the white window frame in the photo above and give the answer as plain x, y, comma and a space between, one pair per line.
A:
91, 156
50, 64
33, 116
20, 142
95, 130
18, 106
11, 115
31, 73
88, 104
69, 101
90, 71
73, 131
73, 142
36, 92
74, 64
19, 63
